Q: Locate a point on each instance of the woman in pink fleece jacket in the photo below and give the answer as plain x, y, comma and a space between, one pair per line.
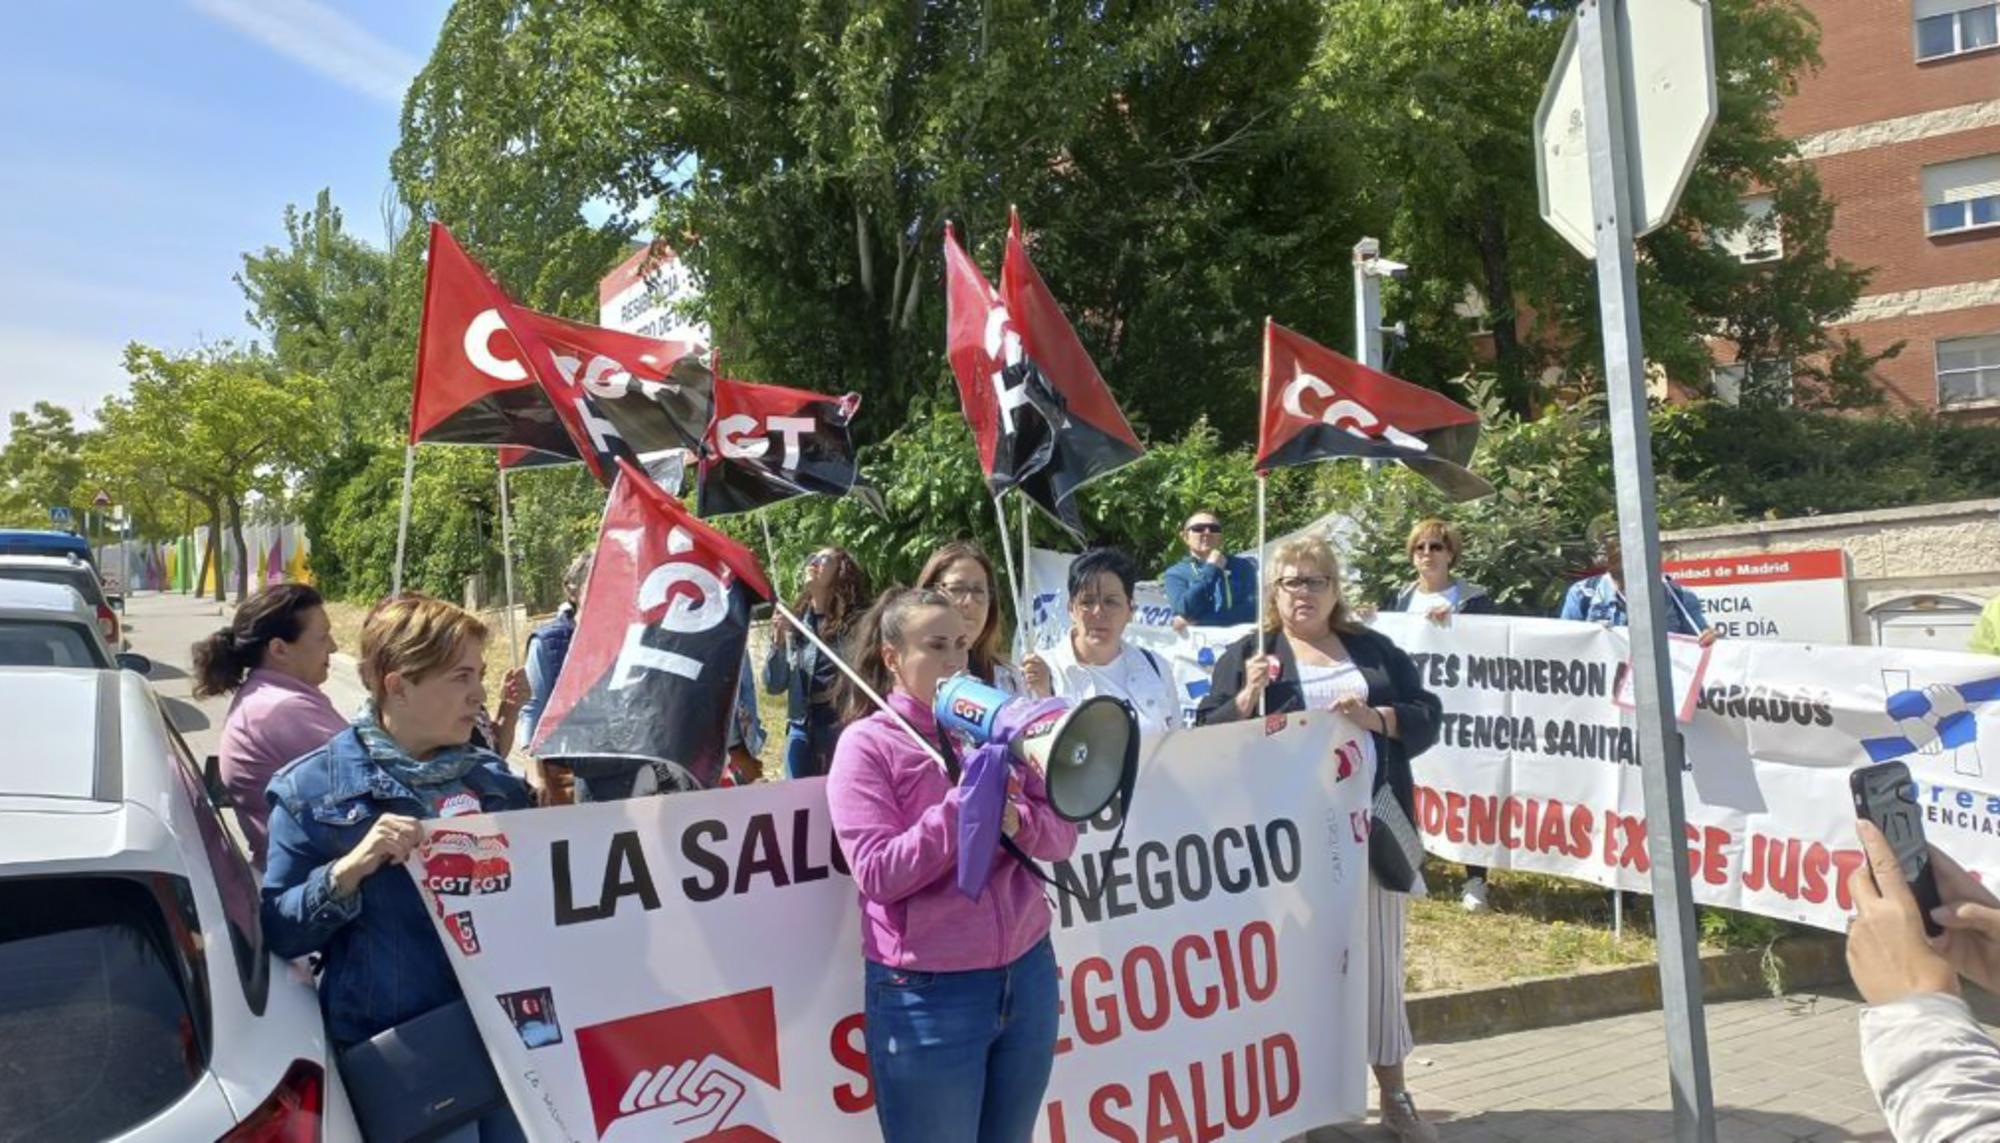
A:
961, 991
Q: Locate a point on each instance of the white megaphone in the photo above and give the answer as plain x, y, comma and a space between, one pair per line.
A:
1088, 751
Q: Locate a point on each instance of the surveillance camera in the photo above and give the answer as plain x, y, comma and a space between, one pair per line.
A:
1400, 331
1389, 266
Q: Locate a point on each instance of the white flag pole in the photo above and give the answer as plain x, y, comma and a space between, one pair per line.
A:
507, 568
403, 520
1263, 402
833, 656
1027, 578
1007, 566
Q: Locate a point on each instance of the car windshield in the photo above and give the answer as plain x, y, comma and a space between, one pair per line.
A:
80, 578
99, 1006
32, 643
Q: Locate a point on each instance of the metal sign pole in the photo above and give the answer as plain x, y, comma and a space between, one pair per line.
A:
1659, 741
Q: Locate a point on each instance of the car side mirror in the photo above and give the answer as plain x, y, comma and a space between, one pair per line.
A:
133, 661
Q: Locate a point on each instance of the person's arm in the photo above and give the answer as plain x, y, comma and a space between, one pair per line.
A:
1219, 704
301, 910
1415, 711
889, 860
539, 687
1191, 589
1043, 834
1986, 633
778, 662
1574, 605
1933, 1068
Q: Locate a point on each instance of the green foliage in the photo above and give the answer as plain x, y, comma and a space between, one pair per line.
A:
1779, 463
41, 467
327, 303
1438, 102
454, 529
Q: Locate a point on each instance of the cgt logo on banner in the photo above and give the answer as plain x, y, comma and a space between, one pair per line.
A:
704, 952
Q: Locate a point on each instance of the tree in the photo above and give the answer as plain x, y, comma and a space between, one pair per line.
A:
327, 302
805, 157
1439, 101
41, 466
215, 425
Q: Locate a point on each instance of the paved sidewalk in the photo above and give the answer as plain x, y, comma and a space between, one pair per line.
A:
1783, 1070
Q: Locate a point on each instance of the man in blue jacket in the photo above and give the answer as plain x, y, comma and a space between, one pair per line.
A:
1601, 598
1210, 588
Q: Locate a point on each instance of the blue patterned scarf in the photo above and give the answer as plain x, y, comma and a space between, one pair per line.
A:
447, 767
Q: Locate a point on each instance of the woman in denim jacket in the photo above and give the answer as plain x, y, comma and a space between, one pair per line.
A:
355, 808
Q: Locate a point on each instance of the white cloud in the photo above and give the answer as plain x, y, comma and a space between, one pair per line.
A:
75, 372
310, 33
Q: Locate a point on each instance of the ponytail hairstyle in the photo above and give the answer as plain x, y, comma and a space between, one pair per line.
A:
883, 623
222, 660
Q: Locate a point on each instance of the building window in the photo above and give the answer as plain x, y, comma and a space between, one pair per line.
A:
1964, 195
1769, 378
1968, 369
1954, 27
1758, 239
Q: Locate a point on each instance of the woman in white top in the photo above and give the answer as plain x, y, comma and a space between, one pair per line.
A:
1095, 659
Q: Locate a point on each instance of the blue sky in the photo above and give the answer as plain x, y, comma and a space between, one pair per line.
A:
146, 144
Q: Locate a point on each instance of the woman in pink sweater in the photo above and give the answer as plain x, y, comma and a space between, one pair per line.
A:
961, 991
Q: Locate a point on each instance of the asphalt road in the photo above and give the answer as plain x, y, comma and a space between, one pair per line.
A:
164, 626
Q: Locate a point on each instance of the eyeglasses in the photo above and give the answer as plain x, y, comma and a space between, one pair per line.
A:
963, 592
1099, 602
816, 560
1430, 546
1206, 529
1306, 584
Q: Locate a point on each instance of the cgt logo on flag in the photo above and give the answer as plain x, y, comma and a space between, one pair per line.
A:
691, 1073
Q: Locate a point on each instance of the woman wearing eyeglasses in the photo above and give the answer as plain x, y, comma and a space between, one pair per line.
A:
1314, 656
963, 574
1094, 658
1438, 594
831, 598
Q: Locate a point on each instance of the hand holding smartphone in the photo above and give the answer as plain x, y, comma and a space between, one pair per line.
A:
1885, 795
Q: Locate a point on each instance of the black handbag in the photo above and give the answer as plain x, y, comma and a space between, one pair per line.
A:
1395, 848
424, 1079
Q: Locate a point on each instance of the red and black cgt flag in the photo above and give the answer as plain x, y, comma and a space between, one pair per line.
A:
768, 443
1043, 418
1320, 405
490, 372
1013, 411
475, 384
652, 670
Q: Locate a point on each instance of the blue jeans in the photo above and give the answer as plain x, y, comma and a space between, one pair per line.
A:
962, 1057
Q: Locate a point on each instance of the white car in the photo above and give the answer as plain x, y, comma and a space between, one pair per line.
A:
138, 1002
50, 625
75, 573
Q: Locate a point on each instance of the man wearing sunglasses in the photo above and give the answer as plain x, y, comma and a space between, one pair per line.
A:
1210, 588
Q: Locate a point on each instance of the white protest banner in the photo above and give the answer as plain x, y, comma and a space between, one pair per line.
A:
1534, 766
688, 968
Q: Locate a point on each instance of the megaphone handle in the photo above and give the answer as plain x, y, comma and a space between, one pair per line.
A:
854, 677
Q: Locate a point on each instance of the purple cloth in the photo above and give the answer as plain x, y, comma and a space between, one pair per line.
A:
895, 812
273, 719
982, 802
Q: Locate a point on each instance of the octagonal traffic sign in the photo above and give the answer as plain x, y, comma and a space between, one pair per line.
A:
1668, 48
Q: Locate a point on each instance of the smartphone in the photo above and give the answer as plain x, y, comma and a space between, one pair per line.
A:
1885, 795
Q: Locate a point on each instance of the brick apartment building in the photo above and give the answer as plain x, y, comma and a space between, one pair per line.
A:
1902, 124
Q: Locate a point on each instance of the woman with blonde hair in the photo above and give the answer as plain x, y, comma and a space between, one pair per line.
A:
1310, 654
1437, 594
344, 815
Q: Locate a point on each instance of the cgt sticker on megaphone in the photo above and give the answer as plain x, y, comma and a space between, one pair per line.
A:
1088, 751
